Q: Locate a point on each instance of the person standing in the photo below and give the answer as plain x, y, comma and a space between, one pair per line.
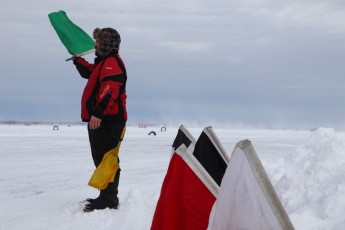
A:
103, 106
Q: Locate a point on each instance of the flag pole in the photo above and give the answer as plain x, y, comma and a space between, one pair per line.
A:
81, 54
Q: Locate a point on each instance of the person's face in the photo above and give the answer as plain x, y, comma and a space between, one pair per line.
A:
98, 46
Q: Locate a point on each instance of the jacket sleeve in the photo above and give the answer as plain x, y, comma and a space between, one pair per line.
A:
84, 68
111, 79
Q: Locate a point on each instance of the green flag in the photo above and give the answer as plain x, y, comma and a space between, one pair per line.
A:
73, 37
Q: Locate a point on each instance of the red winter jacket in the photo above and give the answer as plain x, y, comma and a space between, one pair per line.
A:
104, 95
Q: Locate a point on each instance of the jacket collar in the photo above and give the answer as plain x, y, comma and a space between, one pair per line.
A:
112, 53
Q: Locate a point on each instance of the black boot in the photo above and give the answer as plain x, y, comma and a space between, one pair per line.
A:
91, 200
107, 198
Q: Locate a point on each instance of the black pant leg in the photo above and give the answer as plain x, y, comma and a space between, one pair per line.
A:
103, 139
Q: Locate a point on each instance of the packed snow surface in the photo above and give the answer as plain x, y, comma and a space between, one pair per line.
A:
44, 175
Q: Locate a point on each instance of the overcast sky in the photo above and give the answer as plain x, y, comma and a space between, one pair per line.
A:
250, 62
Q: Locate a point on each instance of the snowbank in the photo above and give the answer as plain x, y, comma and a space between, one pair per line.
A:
313, 186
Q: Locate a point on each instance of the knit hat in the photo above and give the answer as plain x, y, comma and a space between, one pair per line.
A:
109, 39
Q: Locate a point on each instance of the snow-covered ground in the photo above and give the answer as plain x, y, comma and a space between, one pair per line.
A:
44, 175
